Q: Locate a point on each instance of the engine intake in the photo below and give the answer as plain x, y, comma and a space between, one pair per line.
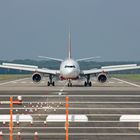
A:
102, 77
36, 77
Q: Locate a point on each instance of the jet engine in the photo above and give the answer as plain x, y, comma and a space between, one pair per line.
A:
36, 77
102, 77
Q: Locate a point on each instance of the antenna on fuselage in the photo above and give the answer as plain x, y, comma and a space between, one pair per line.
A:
69, 47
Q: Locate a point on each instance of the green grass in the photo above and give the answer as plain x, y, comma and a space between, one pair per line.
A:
12, 76
135, 77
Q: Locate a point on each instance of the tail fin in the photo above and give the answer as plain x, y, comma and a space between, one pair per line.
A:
69, 47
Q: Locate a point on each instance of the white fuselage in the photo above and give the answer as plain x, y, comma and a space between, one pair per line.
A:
69, 69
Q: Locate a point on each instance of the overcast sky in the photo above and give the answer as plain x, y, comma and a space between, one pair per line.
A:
106, 28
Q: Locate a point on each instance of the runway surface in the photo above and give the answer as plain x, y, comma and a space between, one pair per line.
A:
103, 104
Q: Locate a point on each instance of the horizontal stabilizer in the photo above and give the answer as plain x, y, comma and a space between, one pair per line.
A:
88, 59
50, 58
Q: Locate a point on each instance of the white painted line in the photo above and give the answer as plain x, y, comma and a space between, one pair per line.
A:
120, 82
13, 81
23, 82
61, 90
117, 115
77, 134
130, 118
71, 118
106, 121
111, 82
20, 118
76, 108
132, 84
87, 96
28, 128
87, 102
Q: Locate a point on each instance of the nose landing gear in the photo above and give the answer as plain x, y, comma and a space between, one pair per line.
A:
69, 83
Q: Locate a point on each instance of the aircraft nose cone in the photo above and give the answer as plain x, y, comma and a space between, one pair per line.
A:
70, 73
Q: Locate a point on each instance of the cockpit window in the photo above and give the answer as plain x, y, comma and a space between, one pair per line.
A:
72, 66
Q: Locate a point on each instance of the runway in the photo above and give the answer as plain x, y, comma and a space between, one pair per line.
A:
103, 104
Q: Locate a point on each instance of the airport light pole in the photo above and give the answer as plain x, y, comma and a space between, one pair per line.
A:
11, 118
67, 118
18, 102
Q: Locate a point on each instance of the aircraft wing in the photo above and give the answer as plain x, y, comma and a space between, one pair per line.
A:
30, 68
111, 69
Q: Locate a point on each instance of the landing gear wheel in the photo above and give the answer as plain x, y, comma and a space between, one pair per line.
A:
48, 83
53, 83
69, 84
90, 84
87, 84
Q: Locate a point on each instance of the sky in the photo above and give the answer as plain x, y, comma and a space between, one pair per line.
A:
106, 28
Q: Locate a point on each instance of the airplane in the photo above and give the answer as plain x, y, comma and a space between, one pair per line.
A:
69, 70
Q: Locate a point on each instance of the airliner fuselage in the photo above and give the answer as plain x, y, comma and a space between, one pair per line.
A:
69, 70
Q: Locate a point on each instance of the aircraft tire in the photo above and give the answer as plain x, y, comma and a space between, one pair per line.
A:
53, 83
85, 84
48, 83
90, 84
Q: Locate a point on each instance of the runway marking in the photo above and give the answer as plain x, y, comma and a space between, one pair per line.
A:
97, 115
97, 121
120, 82
61, 90
13, 81
111, 82
73, 127
135, 85
23, 82
76, 108
107, 115
99, 96
78, 102
77, 134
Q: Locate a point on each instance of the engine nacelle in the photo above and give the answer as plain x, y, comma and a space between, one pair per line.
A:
36, 77
102, 77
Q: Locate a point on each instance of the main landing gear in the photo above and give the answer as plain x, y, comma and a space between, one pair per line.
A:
51, 82
88, 82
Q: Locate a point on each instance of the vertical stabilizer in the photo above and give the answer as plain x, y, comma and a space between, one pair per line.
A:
69, 49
